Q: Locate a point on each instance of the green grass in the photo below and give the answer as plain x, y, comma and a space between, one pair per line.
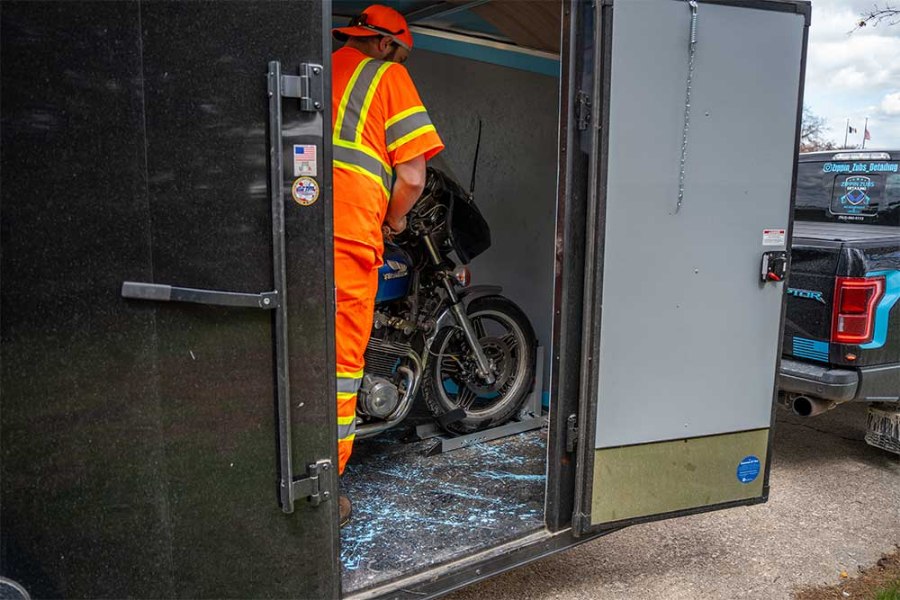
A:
891, 592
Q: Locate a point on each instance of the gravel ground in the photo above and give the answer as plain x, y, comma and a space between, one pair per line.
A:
834, 506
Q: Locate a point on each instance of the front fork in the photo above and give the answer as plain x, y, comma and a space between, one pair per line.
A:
462, 319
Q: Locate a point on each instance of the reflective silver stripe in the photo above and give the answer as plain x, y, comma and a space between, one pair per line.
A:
345, 431
364, 161
354, 106
406, 126
348, 385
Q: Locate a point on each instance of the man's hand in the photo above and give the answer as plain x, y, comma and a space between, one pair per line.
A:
396, 225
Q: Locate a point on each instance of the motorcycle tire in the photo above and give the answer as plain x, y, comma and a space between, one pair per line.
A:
515, 373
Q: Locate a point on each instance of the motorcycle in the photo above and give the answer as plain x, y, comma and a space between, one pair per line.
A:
470, 349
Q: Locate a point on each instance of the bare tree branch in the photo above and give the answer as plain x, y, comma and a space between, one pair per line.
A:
880, 13
812, 126
812, 132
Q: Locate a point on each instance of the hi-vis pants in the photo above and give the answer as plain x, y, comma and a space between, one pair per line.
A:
356, 280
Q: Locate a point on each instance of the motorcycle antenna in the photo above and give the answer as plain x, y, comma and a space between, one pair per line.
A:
475, 160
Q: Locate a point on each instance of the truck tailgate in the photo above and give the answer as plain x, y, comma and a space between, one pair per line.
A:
807, 328
819, 251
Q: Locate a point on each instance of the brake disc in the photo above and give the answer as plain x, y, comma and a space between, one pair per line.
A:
500, 355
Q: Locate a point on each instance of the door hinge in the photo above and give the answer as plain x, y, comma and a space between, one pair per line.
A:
309, 87
582, 110
571, 433
313, 487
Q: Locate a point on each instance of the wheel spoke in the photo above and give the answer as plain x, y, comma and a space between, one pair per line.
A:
510, 340
465, 398
450, 365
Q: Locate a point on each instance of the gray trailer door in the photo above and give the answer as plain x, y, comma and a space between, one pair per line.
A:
150, 448
684, 341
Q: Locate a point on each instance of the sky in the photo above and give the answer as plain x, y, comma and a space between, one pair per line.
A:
854, 75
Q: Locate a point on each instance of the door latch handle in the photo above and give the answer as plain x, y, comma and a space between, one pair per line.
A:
774, 266
169, 293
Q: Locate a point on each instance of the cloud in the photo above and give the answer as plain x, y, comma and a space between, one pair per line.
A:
853, 75
890, 105
866, 56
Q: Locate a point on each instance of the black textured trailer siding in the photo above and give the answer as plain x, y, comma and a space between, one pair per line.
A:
139, 447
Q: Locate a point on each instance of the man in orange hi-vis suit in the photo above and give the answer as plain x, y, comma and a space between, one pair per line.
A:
382, 136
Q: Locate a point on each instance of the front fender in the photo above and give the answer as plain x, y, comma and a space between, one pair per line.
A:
478, 291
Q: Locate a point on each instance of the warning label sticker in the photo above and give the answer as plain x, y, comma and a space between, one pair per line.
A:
773, 237
304, 160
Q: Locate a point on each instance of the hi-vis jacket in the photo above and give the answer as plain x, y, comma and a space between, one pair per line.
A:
378, 122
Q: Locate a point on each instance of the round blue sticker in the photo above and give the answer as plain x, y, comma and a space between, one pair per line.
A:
748, 469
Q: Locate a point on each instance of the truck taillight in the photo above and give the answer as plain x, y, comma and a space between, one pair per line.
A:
855, 299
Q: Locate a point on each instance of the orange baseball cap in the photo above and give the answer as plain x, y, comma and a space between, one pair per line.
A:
377, 20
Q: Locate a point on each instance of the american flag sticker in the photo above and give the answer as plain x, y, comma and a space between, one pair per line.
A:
304, 160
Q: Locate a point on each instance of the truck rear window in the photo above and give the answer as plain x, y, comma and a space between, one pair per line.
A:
857, 195
862, 192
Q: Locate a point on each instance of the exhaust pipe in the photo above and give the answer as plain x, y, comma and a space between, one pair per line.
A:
805, 406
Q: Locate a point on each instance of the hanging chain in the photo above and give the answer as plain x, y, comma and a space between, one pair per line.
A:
687, 103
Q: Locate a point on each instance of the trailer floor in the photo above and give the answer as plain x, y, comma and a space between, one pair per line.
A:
412, 511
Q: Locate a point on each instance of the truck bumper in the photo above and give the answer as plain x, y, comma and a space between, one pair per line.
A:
799, 377
868, 384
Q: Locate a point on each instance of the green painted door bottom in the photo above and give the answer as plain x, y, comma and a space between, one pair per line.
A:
662, 477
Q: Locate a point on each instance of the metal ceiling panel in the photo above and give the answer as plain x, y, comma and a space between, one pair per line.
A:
534, 25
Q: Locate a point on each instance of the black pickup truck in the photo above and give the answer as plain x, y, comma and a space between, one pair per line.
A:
842, 331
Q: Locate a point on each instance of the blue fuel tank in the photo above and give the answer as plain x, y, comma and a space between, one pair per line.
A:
394, 276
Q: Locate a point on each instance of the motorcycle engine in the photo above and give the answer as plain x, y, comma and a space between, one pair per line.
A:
378, 394
378, 397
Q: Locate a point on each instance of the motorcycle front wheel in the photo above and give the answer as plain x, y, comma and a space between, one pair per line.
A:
452, 380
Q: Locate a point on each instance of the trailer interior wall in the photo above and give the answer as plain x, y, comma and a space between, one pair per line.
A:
516, 181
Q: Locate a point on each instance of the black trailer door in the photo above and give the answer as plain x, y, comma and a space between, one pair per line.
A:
171, 442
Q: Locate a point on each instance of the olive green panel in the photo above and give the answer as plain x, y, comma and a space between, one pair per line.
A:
662, 477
